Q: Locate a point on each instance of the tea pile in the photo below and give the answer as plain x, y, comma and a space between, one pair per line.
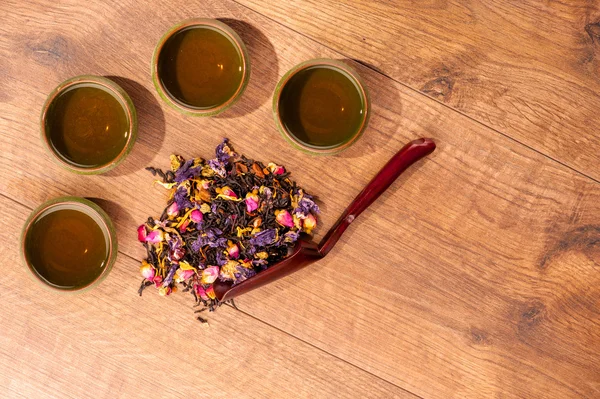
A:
228, 218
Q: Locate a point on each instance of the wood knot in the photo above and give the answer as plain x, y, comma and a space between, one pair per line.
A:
530, 315
583, 238
478, 337
594, 31
439, 88
49, 51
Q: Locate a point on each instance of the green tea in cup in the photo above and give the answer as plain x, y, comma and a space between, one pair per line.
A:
200, 67
321, 106
89, 124
69, 243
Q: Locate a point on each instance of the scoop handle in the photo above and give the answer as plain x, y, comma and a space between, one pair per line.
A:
404, 158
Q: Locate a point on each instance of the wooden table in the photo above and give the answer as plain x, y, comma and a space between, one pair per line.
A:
476, 275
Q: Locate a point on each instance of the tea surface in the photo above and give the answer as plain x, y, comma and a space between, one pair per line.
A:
67, 248
321, 106
87, 126
200, 67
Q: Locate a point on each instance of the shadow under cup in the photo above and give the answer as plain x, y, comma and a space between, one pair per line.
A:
69, 244
321, 106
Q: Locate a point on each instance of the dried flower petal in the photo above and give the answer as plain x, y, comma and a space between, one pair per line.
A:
276, 169
264, 238
210, 274
251, 201
201, 292
210, 292
284, 218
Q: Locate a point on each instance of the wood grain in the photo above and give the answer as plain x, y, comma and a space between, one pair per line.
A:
476, 275
109, 343
529, 69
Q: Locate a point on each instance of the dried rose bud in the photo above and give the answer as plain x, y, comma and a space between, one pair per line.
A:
276, 169
142, 233
155, 237
147, 271
233, 250
284, 218
173, 209
251, 202
210, 274
226, 193
196, 216
157, 280
309, 223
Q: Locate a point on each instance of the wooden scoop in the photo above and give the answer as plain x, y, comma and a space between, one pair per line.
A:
306, 252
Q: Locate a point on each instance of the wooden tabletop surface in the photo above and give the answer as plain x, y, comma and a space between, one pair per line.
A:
477, 275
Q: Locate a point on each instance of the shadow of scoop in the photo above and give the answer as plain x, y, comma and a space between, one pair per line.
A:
264, 69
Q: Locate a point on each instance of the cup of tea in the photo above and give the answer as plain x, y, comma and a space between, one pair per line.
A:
69, 244
200, 67
321, 106
88, 124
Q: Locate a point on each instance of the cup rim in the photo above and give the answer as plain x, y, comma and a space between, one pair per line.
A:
116, 91
177, 104
335, 64
106, 226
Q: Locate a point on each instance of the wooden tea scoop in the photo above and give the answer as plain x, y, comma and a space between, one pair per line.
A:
306, 252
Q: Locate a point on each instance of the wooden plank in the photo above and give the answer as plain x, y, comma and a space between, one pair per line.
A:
529, 69
474, 276
109, 343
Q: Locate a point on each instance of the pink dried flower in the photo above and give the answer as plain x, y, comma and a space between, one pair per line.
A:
196, 216
210, 274
284, 218
173, 209
233, 250
155, 237
147, 271
142, 233
276, 169
252, 202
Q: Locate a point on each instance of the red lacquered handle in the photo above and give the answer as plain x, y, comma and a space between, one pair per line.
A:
408, 155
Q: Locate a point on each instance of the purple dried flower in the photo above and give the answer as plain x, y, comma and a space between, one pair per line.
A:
214, 207
243, 274
224, 152
217, 167
305, 206
221, 260
181, 198
290, 237
264, 238
213, 233
186, 172
169, 279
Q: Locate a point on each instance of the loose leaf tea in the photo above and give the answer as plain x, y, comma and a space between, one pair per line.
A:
228, 218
